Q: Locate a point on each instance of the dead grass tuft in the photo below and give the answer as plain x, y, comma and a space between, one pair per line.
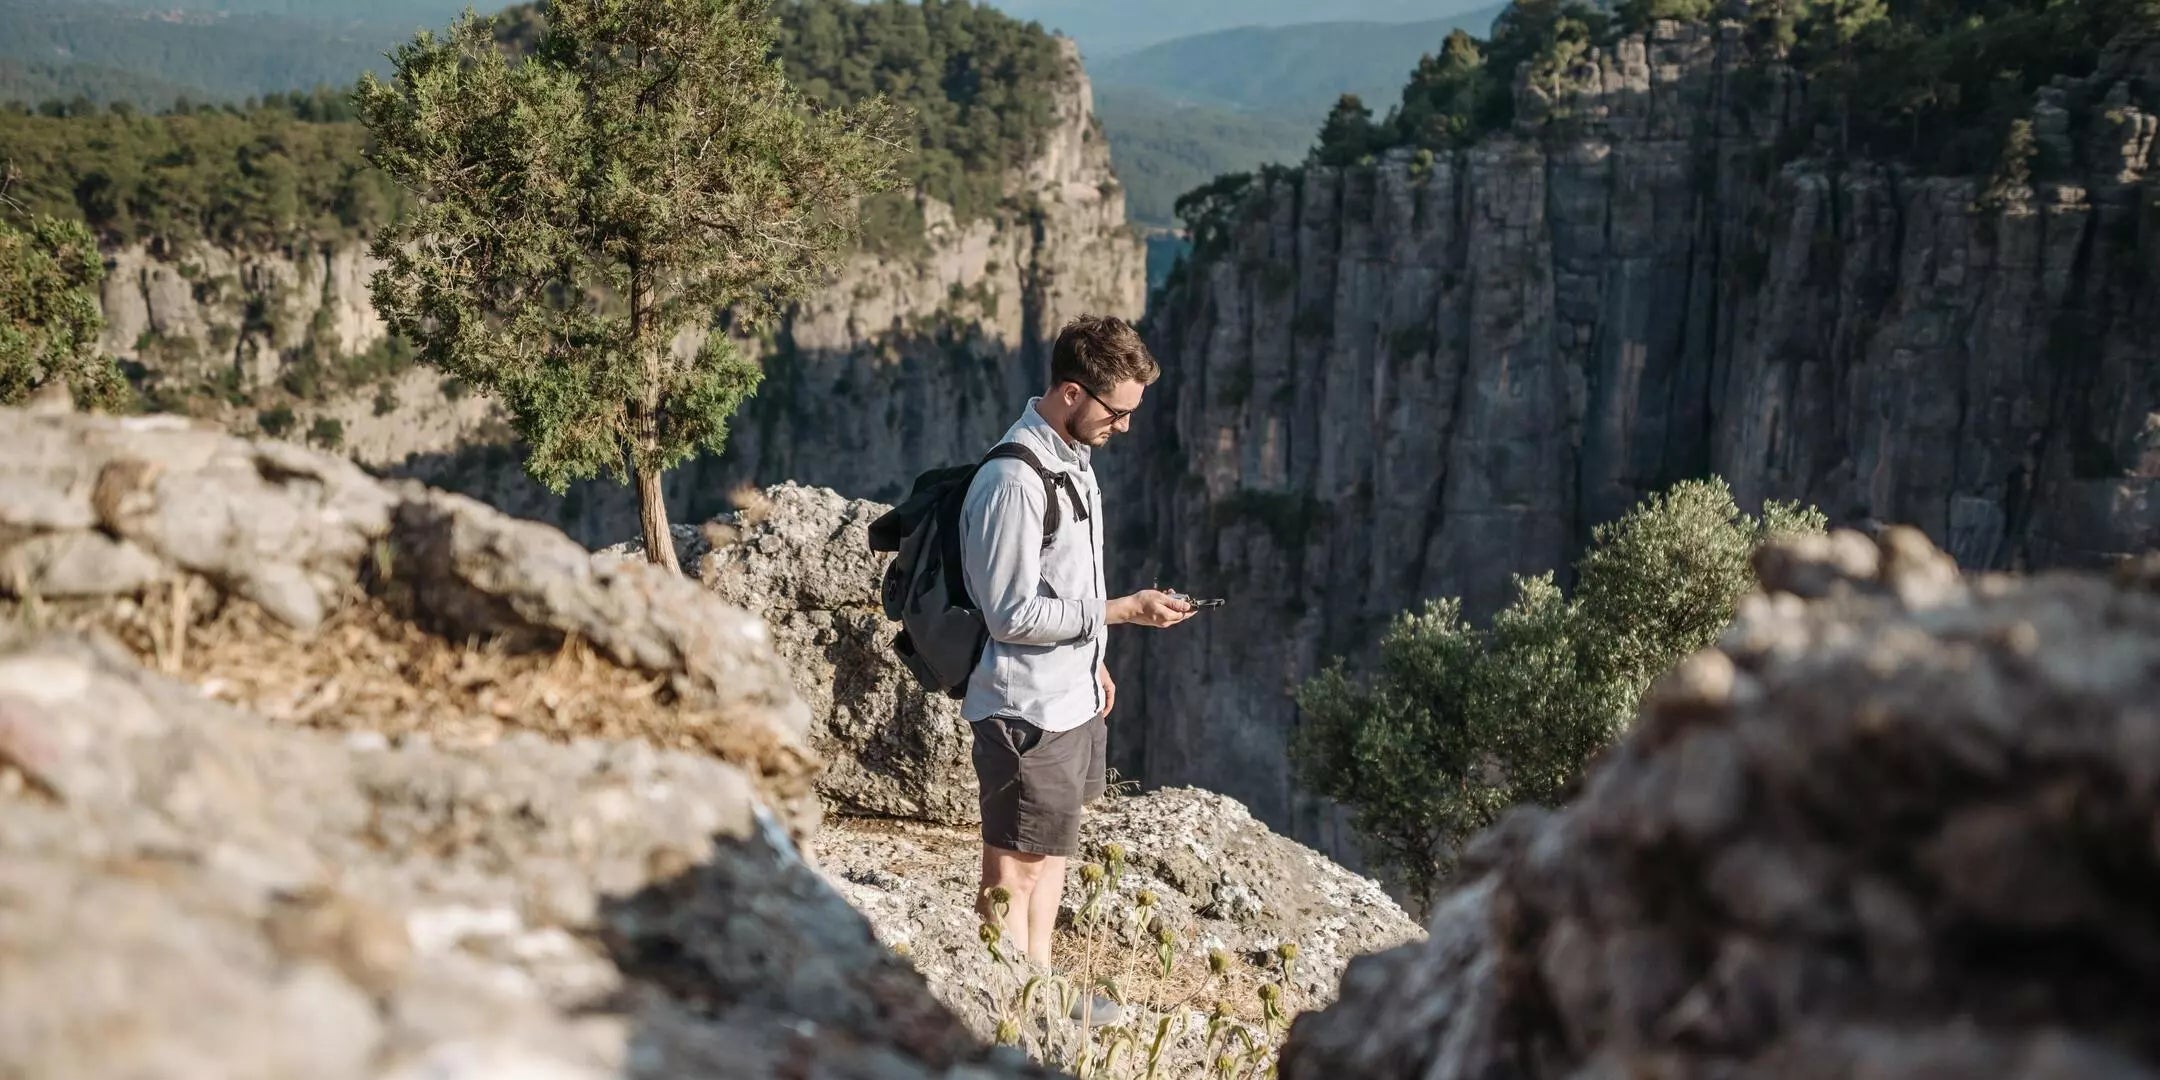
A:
751, 505
369, 669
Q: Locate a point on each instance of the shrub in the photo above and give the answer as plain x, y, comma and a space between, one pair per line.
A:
275, 422
327, 432
1456, 724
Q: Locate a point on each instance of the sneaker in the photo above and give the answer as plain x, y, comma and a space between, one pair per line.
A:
1101, 1014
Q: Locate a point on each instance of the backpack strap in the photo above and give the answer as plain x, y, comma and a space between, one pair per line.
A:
1052, 481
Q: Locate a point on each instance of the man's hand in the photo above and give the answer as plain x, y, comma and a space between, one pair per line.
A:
1109, 688
1149, 607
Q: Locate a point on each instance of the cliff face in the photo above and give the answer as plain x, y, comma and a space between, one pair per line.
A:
205, 309
908, 361
1398, 382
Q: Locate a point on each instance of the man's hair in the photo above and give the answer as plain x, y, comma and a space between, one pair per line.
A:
1099, 352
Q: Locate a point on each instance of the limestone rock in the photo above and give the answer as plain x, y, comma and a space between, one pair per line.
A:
800, 558
1190, 848
194, 892
1898, 827
105, 505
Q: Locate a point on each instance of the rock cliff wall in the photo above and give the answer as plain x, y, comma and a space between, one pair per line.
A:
1402, 381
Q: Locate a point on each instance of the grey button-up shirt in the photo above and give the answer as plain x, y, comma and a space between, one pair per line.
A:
1044, 606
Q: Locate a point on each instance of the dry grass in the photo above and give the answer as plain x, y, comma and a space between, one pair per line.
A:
369, 668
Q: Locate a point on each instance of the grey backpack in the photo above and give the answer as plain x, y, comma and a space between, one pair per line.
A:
942, 631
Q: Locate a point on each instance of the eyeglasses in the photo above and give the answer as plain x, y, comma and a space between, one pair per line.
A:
1115, 414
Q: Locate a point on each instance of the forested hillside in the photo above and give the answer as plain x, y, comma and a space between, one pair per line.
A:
978, 83
66, 48
1934, 82
1164, 148
1289, 71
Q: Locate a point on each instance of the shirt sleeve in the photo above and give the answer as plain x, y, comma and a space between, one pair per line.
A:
1001, 551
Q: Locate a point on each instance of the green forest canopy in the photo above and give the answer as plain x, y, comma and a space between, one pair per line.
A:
979, 83
1933, 82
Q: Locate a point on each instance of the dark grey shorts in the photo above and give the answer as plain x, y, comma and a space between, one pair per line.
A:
1034, 782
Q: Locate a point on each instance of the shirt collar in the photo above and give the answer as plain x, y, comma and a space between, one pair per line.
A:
1032, 423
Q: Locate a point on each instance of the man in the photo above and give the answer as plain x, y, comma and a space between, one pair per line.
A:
1040, 697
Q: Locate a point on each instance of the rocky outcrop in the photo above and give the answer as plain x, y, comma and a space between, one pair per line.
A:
1405, 381
1218, 880
242, 900
102, 506
1895, 824
399, 804
800, 558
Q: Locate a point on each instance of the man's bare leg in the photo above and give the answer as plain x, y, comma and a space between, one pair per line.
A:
1049, 888
1018, 872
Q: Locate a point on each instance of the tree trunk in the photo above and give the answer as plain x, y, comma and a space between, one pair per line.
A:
645, 434
652, 514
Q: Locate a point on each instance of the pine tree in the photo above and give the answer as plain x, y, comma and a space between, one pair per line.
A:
1347, 136
579, 213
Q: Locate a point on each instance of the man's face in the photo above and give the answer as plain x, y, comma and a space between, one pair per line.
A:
1098, 414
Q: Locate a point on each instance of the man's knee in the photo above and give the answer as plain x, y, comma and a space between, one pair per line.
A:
1018, 869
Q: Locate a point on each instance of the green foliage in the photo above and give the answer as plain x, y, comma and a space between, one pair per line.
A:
1348, 136
327, 432
49, 320
257, 177
1456, 724
276, 420
77, 46
574, 212
1295, 72
320, 372
1451, 97
1636, 13
979, 83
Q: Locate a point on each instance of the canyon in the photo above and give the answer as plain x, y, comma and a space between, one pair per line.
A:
1418, 377
1411, 378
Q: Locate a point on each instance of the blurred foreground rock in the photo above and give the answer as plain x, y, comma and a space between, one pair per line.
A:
435, 889
1896, 824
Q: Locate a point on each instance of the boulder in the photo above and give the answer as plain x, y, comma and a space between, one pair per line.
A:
1897, 823
800, 558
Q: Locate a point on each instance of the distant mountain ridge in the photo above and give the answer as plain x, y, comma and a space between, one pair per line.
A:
63, 48
1111, 28
1297, 70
